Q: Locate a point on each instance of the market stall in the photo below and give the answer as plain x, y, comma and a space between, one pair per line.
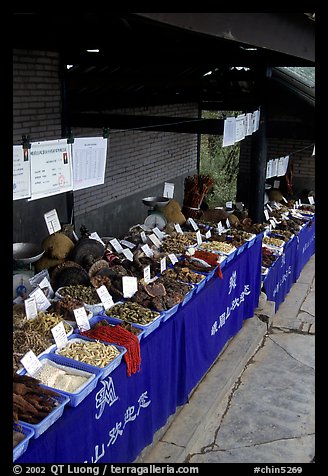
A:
119, 418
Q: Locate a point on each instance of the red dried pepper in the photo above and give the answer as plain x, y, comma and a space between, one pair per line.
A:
120, 336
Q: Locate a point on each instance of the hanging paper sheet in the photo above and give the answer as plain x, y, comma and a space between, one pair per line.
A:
89, 162
21, 173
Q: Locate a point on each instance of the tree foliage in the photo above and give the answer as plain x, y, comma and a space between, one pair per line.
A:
221, 163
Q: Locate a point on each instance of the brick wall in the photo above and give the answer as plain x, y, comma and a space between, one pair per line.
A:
37, 113
138, 161
303, 164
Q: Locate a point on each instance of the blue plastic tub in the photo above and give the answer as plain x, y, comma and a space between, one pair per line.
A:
104, 370
170, 312
49, 420
78, 396
147, 328
22, 446
189, 295
111, 320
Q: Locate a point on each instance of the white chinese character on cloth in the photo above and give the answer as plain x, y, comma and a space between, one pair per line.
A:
97, 456
142, 401
214, 328
228, 312
232, 281
222, 320
247, 290
283, 260
129, 415
105, 396
114, 433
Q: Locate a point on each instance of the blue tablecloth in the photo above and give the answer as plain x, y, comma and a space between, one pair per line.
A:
119, 418
305, 246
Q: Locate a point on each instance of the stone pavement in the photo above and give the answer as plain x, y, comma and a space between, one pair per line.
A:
256, 403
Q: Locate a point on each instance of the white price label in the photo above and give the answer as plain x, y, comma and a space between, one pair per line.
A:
116, 245
31, 310
273, 223
95, 236
208, 234
173, 258
128, 244
193, 223
42, 303
105, 297
46, 288
266, 214
143, 237
81, 318
59, 335
31, 363
153, 238
220, 228
276, 221
148, 252
269, 208
311, 200
146, 273
199, 238
284, 200
276, 184
178, 228
128, 254
228, 223
163, 264
130, 286
52, 221
228, 204
37, 278
158, 233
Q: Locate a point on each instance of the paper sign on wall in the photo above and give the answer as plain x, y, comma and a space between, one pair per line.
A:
229, 131
89, 161
168, 190
52, 221
21, 173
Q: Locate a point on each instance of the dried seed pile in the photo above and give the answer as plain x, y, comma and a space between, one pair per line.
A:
92, 353
52, 376
120, 336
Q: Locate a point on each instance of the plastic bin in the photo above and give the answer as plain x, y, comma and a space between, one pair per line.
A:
94, 373
22, 446
49, 420
170, 312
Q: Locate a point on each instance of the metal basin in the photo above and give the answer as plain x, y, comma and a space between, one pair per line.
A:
26, 253
152, 201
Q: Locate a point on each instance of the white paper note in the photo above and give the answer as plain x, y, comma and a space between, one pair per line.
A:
105, 297
31, 363
173, 258
31, 310
21, 173
266, 214
130, 286
95, 236
128, 244
116, 245
229, 131
128, 254
153, 238
311, 200
42, 303
52, 221
163, 264
193, 223
59, 334
148, 252
168, 190
178, 228
158, 233
208, 234
240, 127
199, 238
146, 274
89, 161
81, 318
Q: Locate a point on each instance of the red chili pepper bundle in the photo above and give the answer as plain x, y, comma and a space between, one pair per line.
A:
120, 336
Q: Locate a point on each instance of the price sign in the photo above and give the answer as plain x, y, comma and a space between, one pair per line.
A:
193, 223
199, 237
273, 223
266, 214
276, 184
173, 258
178, 228
268, 207
284, 200
228, 223
116, 245
31, 310
105, 297
59, 335
42, 303
143, 237
81, 318
163, 264
220, 228
155, 240
148, 252
95, 236
228, 204
158, 233
46, 288
208, 234
31, 363
311, 200
168, 190
128, 244
128, 254
130, 286
146, 273
37, 278
52, 221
